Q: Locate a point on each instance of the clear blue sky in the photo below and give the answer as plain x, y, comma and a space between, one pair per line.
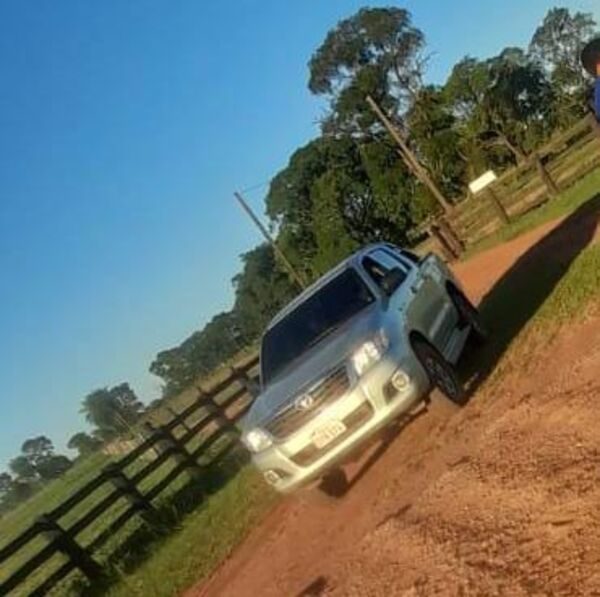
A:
124, 129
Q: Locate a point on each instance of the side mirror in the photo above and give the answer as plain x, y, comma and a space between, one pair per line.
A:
392, 280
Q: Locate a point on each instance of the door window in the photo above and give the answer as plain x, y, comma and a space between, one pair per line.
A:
379, 262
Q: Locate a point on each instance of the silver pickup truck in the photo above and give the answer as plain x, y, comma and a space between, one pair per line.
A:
353, 352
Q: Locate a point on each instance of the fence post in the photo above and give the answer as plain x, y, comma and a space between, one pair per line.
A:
498, 207
447, 249
549, 183
451, 237
130, 492
175, 414
147, 430
66, 544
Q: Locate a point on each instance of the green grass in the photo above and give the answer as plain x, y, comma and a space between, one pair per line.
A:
575, 292
568, 201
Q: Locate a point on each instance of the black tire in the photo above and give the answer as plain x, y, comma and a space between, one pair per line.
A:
334, 484
469, 315
441, 373
328, 492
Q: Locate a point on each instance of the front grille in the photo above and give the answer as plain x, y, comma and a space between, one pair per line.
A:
328, 390
356, 419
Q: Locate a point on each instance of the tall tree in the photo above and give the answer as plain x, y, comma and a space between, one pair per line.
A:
500, 102
377, 51
556, 46
432, 126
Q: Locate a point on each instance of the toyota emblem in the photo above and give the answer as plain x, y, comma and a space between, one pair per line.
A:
304, 402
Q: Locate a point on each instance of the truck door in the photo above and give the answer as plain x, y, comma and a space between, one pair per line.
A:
430, 307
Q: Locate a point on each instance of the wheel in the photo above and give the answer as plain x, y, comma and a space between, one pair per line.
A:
328, 492
470, 315
334, 484
441, 373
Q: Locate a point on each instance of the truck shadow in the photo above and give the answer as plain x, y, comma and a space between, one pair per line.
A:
520, 292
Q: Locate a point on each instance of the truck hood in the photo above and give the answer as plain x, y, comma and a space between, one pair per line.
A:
315, 363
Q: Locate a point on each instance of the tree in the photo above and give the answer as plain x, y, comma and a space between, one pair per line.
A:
13, 491
432, 126
289, 204
84, 443
114, 410
53, 466
6, 483
36, 449
557, 43
377, 51
261, 290
23, 468
518, 102
38, 462
556, 47
502, 103
175, 368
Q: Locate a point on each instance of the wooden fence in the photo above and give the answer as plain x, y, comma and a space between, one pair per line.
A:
191, 434
541, 177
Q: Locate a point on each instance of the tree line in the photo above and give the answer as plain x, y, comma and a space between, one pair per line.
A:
349, 186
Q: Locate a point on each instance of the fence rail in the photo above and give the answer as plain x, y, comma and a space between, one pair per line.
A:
220, 415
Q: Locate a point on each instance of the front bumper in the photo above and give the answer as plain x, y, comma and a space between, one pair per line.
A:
366, 408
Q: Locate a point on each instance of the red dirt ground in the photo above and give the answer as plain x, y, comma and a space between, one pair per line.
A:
499, 498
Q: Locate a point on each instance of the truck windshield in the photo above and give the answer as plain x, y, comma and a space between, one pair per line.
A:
313, 320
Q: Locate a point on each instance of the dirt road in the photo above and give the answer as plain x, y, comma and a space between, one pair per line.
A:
500, 498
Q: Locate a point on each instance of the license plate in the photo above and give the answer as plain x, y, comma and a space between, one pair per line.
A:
326, 434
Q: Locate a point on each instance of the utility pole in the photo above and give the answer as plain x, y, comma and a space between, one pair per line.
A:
278, 252
409, 157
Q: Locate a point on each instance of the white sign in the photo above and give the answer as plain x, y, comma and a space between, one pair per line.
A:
483, 181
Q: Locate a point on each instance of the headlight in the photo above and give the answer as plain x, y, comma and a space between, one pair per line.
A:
256, 440
369, 353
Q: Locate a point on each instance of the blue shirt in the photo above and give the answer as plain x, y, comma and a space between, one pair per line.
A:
597, 98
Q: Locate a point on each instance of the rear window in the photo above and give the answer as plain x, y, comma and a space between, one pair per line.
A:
313, 320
